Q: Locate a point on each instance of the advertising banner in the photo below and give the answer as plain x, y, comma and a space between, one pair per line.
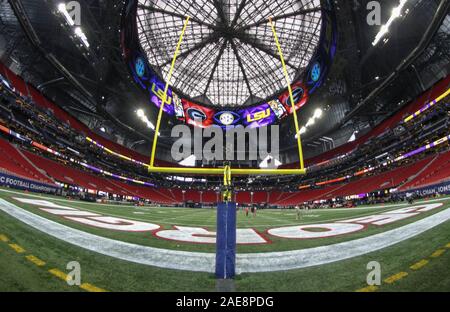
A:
24, 184
441, 188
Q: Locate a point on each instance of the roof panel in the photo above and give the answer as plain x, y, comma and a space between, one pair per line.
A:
228, 52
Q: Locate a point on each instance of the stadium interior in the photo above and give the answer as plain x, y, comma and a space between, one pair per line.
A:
85, 91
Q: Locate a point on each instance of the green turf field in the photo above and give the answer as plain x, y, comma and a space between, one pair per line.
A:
18, 274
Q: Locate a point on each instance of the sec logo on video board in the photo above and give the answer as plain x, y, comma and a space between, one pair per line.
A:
316, 71
140, 67
226, 118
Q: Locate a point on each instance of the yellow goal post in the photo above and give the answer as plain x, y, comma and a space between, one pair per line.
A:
226, 171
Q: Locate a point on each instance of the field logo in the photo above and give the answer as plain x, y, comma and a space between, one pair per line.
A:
374, 276
74, 276
244, 236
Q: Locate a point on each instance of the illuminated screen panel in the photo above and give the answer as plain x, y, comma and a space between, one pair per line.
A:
178, 107
227, 118
300, 94
157, 94
197, 115
278, 108
258, 116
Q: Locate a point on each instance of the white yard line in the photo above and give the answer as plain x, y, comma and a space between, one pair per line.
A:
204, 262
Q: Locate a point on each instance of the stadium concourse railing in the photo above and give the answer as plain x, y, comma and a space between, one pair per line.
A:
364, 186
63, 173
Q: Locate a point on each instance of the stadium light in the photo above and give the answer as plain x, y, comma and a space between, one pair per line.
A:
140, 113
310, 122
80, 34
318, 113
396, 13
302, 131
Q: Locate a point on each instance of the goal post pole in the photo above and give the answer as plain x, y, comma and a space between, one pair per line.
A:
166, 90
291, 96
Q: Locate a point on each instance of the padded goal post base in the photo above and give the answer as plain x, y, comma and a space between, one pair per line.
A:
226, 241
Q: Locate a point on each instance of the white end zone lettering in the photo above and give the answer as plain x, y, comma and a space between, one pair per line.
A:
381, 219
42, 203
66, 212
418, 208
393, 215
244, 236
315, 230
92, 219
203, 236
117, 224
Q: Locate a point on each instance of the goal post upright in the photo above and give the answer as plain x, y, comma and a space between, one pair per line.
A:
166, 90
291, 96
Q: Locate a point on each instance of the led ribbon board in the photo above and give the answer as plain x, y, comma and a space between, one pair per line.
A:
427, 106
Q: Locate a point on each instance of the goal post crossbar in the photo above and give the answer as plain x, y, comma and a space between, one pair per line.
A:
226, 170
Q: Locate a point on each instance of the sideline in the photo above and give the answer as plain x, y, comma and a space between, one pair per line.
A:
364, 207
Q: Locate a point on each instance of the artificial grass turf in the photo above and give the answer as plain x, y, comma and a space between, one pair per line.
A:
18, 274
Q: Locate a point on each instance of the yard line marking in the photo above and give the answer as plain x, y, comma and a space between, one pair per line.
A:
91, 288
59, 274
419, 265
35, 260
393, 278
17, 248
4, 238
40, 263
368, 289
437, 253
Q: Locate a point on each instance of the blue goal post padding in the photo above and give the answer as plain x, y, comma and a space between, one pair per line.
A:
226, 241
